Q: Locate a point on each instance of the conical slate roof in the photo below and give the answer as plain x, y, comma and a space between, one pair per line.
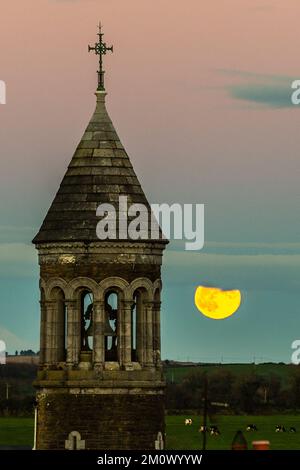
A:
100, 171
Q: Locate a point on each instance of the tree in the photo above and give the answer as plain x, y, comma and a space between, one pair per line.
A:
295, 387
245, 393
220, 383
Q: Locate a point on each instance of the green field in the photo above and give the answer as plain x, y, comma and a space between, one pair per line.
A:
184, 437
16, 431
19, 431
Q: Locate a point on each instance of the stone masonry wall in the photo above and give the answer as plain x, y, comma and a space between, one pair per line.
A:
105, 422
100, 272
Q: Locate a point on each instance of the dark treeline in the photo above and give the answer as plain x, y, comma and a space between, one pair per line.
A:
249, 393
26, 352
16, 389
241, 393
17, 406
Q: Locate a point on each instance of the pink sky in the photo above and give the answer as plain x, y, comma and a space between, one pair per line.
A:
167, 90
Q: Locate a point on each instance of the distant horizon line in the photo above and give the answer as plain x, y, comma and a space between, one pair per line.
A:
183, 362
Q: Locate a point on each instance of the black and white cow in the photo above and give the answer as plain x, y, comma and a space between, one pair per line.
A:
280, 428
214, 431
203, 428
251, 427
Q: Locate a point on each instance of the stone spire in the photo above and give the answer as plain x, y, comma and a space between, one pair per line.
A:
99, 172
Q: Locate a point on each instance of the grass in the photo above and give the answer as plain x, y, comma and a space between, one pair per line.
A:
19, 431
184, 437
16, 431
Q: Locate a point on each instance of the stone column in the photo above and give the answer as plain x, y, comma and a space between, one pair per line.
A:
140, 333
50, 306
149, 333
126, 343
73, 332
98, 340
156, 333
42, 356
120, 331
60, 334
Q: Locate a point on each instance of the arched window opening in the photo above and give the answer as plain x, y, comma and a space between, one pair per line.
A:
156, 328
111, 326
60, 322
86, 309
134, 328
43, 325
138, 326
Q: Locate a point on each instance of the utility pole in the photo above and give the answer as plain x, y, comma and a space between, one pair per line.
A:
265, 394
205, 410
7, 388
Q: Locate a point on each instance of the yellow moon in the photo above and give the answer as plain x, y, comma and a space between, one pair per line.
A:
217, 303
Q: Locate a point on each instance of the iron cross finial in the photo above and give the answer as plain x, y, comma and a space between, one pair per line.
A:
100, 49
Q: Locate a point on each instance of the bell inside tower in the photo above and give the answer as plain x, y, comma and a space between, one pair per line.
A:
111, 326
86, 304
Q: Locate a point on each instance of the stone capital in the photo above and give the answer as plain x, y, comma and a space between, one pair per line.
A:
128, 303
50, 303
71, 303
149, 304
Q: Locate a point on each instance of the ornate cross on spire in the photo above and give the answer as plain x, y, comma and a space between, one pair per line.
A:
100, 49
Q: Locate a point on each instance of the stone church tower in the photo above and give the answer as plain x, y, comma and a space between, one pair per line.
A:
100, 382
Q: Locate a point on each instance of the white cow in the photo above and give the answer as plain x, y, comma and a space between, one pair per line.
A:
188, 421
